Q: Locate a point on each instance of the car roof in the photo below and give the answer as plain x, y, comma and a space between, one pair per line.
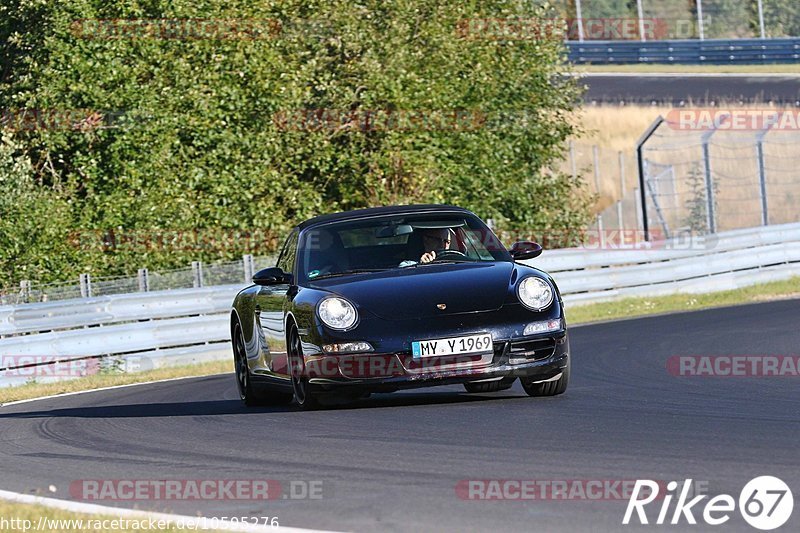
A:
378, 211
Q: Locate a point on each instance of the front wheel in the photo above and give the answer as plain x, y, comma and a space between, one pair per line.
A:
303, 395
248, 392
548, 388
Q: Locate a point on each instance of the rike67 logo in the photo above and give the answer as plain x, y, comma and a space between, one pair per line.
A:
765, 503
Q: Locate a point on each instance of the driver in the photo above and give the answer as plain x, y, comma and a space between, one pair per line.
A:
432, 240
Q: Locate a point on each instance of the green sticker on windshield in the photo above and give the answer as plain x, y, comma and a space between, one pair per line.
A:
313, 274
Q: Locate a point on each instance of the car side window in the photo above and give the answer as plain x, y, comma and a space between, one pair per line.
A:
288, 254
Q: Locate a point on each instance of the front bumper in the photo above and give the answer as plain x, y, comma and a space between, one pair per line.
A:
541, 357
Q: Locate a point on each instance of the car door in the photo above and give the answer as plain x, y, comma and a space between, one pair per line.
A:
269, 315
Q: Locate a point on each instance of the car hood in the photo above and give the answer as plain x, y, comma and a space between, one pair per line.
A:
417, 291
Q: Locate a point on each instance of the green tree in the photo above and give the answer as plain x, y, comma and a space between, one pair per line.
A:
781, 18
727, 19
191, 134
34, 221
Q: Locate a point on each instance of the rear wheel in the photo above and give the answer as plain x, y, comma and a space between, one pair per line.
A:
548, 388
303, 395
248, 392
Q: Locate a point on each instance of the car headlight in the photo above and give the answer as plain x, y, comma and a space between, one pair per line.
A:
337, 313
535, 293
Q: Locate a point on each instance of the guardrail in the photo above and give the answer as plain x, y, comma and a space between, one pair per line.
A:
161, 328
688, 51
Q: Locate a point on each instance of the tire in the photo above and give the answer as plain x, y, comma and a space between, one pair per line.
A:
489, 386
549, 388
304, 397
248, 392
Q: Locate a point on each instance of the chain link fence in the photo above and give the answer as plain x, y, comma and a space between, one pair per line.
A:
612, 175
717, 176
721, 19
86, 286
697, 180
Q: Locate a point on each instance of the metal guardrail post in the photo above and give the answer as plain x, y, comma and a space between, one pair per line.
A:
711, 221
573, 165
762, 175
621, 189
247, 262
25, 291
639, 211
86, 285
197, 274
144, 280
596, 165
762, 180
601, 234
640, 14
700, 30
711, 218
640, 160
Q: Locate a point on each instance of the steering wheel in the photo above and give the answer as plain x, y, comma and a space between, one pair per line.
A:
327, 269
449, 254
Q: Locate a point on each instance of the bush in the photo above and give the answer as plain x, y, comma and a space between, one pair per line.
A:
325, 106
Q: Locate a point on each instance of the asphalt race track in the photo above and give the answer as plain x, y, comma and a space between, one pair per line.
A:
691, 89
393, 461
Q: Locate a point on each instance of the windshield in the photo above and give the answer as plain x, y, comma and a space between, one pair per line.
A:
395, 241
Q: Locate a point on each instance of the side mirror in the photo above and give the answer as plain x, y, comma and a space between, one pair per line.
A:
525, 250
272, 276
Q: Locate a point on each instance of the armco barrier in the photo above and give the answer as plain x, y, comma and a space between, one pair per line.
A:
154, 329
689, 51
67, 314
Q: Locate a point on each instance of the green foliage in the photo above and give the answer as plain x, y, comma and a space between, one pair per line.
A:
781, 18
727, 19
187, 134
35, 221
697, 202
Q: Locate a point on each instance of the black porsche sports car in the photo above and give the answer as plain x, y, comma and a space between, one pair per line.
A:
381, 299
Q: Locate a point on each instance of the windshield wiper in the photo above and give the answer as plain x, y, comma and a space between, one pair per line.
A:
444, 262
348, 272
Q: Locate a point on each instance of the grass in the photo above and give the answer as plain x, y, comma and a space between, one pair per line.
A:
785, 68
634, 307
99, 381
25, 517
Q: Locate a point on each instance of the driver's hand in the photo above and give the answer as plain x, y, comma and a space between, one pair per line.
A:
427, 257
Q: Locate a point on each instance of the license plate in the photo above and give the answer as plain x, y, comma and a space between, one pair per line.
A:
469, 344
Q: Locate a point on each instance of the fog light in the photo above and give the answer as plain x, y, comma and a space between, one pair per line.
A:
348, 347
545, 326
